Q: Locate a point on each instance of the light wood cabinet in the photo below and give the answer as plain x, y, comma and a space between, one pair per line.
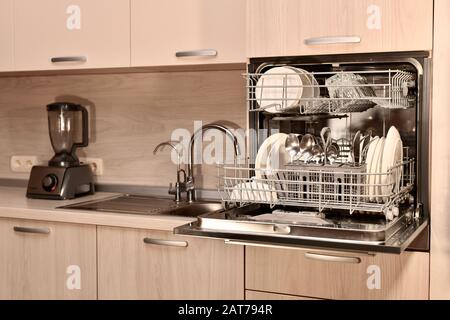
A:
440, 156
64, 34
336, 275
6, 35
143, 264
160, 29
298, 27
47, 260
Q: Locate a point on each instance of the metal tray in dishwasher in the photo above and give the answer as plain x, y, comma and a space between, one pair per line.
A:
258, 224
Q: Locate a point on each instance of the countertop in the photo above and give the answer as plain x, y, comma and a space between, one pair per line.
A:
14, 204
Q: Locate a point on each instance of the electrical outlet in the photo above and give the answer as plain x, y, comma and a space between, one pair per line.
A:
24, 164
96, 165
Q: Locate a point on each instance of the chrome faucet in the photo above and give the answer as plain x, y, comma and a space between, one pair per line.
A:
190, 186
180, 185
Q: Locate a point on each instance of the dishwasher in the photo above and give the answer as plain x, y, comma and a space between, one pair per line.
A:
337, 156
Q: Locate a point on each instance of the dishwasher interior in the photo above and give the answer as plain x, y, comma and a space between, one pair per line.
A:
337, 154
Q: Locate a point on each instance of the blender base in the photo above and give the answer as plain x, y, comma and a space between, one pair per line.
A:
60, 183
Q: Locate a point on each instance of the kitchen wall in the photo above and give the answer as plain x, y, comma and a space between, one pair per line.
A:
131, 113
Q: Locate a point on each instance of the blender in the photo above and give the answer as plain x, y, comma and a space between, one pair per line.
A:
64, 177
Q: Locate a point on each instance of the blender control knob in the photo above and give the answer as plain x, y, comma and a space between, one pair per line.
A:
50, 182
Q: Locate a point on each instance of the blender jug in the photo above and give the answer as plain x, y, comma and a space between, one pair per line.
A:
66, 132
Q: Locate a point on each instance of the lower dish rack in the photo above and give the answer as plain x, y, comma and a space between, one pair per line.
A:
331, 187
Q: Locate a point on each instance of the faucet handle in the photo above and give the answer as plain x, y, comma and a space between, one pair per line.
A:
189, 183
177, 190
171, 189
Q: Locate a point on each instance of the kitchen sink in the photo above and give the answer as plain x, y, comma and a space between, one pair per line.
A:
195, 209
147, 205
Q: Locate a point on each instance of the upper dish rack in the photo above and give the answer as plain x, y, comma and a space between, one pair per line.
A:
329, 92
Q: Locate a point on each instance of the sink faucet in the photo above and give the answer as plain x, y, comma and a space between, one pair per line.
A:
180, 185
190, 187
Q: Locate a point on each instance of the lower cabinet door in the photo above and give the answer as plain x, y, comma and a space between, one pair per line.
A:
337, 275
144, 264
47, 260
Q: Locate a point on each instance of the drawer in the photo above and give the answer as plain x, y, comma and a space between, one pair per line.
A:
337, 275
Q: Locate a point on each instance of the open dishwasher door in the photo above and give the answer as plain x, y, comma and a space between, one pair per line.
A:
261, 226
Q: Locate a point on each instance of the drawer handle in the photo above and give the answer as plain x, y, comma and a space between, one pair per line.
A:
260, 245
331, 258
69, 59
168, 243
333, 40
32, 230
197, 53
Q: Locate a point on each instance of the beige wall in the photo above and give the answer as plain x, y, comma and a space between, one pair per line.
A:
131, 113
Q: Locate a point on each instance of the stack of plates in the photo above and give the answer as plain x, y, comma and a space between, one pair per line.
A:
254, 191
271, 156
281, 89
382, 155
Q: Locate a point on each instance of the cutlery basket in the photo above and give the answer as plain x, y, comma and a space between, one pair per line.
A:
317, 183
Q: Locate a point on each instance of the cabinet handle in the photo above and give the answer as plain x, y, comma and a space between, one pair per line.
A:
168, 243
332, 40
32, 230
308, 255
197, 53
69, 59
332, 258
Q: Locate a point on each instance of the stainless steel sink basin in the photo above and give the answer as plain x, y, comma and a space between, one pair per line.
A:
135, 204
195, 209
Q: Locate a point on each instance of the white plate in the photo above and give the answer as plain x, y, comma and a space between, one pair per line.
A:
271, 93
266, 149
369, 159
398, 158
316, 87
254, 191
392, 155
375, 168
307, 81
278, 157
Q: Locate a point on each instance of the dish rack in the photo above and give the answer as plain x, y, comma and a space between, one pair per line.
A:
342, 187
386, 88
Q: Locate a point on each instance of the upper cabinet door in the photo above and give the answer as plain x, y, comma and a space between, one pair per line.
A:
177, 32
6, 35
309, 27
66, 34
